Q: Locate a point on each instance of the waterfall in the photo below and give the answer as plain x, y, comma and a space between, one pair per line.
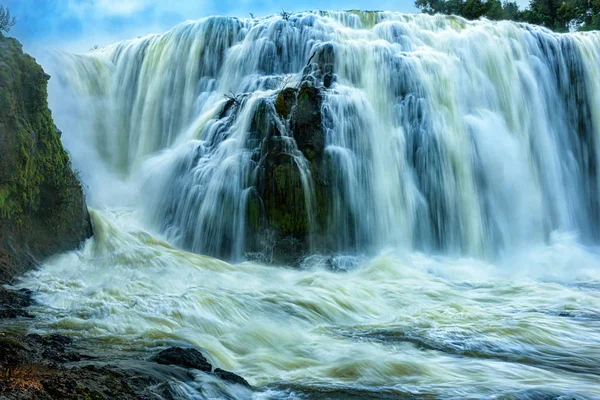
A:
346, 132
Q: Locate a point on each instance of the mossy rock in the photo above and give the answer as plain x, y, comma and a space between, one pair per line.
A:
284, 199
306, 123
42, 204
285, 101
290, 131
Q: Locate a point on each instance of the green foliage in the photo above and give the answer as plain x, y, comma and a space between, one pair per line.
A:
559, 15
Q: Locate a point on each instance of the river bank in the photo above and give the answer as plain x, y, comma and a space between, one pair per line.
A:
54, 366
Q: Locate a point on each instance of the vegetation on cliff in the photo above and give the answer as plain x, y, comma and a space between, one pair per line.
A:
558, 15
42, 205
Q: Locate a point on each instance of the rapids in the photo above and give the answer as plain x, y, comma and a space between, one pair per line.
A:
463, 223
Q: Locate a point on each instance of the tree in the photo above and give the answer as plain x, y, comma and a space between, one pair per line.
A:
6, 21
585, 14
558, 15
494, 10
511, 11
471, 9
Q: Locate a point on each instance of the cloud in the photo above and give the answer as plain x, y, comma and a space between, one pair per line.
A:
108, 7
77, 25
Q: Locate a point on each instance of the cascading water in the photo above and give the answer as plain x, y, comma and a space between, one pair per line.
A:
429, 138
440, 135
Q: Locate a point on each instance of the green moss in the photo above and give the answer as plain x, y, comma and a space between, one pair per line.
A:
286, 209
39, 161
41, 199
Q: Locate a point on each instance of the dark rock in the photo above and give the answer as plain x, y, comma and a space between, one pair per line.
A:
306, 123
231, 377
325, 57
283, 198
31, 349
186, 358
13, 303
328, 80
229, 104
264, 125
285, 101
43, 381
277, 217
320, 66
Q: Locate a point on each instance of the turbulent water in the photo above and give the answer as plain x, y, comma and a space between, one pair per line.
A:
464, 206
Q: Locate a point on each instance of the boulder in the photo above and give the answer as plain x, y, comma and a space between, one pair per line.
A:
231, 377
186, 358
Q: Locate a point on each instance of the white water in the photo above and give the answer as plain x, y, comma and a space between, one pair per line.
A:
465, 139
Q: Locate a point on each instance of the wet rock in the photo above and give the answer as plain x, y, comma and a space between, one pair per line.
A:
325, 57
283, 197
229, 104
328, 80
264, 125
321, 66
43, 382
13, 303
231, 377
285, 101
31, 349
289, 173
186, 358
42, 204
306, 123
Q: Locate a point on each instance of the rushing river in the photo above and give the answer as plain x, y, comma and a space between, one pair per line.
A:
464, 213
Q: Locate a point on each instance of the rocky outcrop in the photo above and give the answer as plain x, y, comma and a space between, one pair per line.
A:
186, 358
13, 304
231, 377
288, 205
190, 358
42, 206
54, 366
42, 367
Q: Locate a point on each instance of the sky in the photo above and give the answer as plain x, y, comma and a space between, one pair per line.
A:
78, 25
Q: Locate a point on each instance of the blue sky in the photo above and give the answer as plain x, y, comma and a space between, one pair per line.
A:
77, 25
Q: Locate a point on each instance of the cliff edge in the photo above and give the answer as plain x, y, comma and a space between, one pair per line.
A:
42, 204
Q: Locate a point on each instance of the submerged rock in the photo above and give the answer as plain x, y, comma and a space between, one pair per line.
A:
186, 358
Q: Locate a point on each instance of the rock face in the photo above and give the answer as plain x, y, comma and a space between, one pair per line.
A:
186, 358
42, 205
42, 368
13, 304
288, 207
